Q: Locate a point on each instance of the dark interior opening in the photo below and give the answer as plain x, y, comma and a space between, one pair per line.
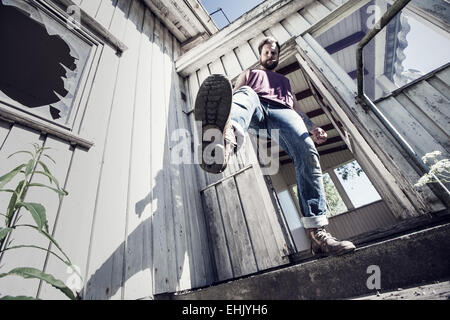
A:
32, 62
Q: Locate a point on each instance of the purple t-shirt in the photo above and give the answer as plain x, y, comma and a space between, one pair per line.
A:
271, 86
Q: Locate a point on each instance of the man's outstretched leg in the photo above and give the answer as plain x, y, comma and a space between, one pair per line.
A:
225, 117
295, 140
212, 109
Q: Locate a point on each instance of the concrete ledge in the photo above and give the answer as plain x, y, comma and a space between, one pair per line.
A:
414, 259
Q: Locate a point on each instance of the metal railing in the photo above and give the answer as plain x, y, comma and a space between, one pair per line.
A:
439, 188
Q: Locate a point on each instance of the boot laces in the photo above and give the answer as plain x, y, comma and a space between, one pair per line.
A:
322, 234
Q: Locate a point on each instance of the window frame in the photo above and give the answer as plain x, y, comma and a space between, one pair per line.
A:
13, 112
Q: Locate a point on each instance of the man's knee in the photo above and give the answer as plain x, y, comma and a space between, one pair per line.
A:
247, 91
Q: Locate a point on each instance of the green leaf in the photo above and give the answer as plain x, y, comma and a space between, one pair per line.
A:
37, 211
4, 232
49, 237
61, 192
7, 190
52, 178
29, 168
32, 273
45, 169
40, 248
18, 298
10, 175
47, 156
28, 152
12, 206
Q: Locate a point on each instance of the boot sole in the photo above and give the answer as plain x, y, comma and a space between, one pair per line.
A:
212, 108
335, 254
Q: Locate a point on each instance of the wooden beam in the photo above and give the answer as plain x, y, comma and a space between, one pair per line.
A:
315, 113
303, 94
289, 68
328, 142
353, 74
243, 29
321, 153
345, 43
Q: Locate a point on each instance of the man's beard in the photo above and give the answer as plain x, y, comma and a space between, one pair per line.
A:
269, 66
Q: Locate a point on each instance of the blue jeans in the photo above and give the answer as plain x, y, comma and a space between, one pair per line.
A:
248, 111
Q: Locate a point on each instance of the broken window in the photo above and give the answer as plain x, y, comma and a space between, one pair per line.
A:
41, 61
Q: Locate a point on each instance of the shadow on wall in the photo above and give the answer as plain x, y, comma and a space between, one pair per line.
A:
158, 254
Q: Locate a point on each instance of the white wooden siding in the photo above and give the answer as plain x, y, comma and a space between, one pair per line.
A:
133, 221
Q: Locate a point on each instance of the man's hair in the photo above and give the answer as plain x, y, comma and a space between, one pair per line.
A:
269, 40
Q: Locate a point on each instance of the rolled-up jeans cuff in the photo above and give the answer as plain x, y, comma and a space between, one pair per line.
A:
314, 222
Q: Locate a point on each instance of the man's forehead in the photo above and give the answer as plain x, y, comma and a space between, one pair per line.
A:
270, 46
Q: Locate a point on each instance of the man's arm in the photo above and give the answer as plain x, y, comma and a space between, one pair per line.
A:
241, 80
319, 135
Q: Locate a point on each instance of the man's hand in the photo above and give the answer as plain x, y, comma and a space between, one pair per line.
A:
319, 135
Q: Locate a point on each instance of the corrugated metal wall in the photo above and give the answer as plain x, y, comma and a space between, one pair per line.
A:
133, 221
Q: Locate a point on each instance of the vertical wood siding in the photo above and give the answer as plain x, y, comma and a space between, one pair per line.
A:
133, 220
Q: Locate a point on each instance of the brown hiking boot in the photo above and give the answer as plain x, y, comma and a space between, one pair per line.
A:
323, 244
212, 108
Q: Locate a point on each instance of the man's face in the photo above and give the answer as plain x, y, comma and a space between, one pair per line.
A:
269, 56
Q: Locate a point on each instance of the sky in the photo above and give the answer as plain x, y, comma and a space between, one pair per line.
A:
233, 9
424, 42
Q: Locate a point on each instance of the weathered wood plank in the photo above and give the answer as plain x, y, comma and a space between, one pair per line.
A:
105, 269
19, 138
161, 202
119, 18
265, 248
105, 13
314, 12
231, 65
280, 33
444, 75
138, 253
217, 236
329, 4
193, 89
431, 102
245, 55
295, 24
254, 43
276, 221
196, 263
216, 67
238, 239
441, 86
91, 7
174, 198
202, 74
426, 122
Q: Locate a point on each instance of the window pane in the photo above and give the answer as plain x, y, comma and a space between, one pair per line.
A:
335, 204
41, 61
356, 184
404, 50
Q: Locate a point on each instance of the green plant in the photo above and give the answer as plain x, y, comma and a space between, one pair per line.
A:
17, 204
439, 169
